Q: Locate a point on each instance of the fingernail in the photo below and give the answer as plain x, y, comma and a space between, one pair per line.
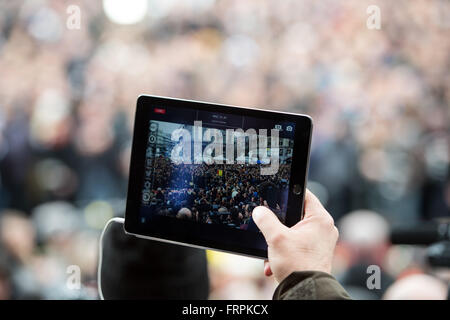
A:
257, 212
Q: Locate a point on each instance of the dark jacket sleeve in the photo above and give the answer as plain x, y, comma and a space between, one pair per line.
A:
310, 285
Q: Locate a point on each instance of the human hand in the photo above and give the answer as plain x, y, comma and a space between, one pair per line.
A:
308, 245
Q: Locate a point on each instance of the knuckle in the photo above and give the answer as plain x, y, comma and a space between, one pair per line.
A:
277, 238
331, 220
336, 232
327, 222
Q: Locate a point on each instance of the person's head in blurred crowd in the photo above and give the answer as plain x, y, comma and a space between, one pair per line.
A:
184, 213
17, 235
366, 235
364, 241
54, 220
417, 287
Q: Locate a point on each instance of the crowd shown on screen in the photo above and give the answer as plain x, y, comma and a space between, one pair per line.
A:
225, 194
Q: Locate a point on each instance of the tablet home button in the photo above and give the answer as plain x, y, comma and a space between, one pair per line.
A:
297, 189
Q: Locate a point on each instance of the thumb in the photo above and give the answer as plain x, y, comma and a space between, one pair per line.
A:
268, 223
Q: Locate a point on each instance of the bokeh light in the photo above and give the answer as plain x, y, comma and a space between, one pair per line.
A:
125, 12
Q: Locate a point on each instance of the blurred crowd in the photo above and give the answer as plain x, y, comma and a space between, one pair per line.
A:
380, 100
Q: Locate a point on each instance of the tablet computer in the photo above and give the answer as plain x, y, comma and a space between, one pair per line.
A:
199, 169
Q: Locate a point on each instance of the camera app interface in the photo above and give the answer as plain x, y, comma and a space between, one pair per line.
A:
215, 168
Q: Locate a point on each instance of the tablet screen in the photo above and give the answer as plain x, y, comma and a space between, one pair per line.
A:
215, 168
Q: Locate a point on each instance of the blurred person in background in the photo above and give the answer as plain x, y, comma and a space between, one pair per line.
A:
133, 268
364, 238
64, 241
417, 287
17, 243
